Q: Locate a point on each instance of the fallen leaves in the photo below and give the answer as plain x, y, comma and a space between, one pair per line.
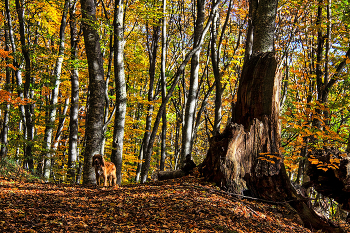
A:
182, 205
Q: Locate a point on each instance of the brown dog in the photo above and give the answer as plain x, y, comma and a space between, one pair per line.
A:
103, 169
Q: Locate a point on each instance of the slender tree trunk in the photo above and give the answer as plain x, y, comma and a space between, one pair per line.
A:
153, 49
163, 142
216, 60
215, 56
140, 156
74, 109
5, 127
163, 81
327, 50
107, 117
56, 81
120, 88
108, 76
28, 110
193, 88
177, 141
94, 124
253, 5
176, 77
201, 110
18, 71
62, 120
139, 165
319, 60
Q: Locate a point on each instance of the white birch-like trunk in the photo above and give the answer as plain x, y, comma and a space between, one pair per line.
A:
152, 52
54, 95
18, 71
74, 109
163, 80
193, 88
176, 77
120, 89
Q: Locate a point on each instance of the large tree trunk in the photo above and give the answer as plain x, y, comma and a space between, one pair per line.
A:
256, 118
94, 124
247, 154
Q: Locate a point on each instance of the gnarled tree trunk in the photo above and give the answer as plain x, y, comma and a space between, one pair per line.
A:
247, 154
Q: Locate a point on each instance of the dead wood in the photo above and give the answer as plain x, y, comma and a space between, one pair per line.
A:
247, 154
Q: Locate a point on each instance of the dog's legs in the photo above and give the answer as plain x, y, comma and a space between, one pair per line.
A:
97, 179
105, 179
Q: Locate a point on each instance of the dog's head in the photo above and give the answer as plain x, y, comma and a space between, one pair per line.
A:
98, 161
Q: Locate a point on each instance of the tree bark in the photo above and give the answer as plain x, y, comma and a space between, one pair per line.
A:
247, 155
55, 83
193, 88
258, 98
253, 4
120, 89
5, 126
18, 71
163, 82
108, 117
28, 108
152, 54
166, 175
94, 124
176, 78
264, 25
74, 109
216, 60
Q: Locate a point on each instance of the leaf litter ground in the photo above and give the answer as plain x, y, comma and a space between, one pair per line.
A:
181, 205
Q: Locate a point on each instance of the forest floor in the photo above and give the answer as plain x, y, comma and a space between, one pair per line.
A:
180, 205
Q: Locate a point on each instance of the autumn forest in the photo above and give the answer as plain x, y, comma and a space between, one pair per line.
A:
256, 92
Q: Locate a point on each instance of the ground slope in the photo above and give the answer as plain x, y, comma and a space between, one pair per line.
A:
180, 205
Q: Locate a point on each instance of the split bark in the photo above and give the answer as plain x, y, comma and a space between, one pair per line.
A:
247, 154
